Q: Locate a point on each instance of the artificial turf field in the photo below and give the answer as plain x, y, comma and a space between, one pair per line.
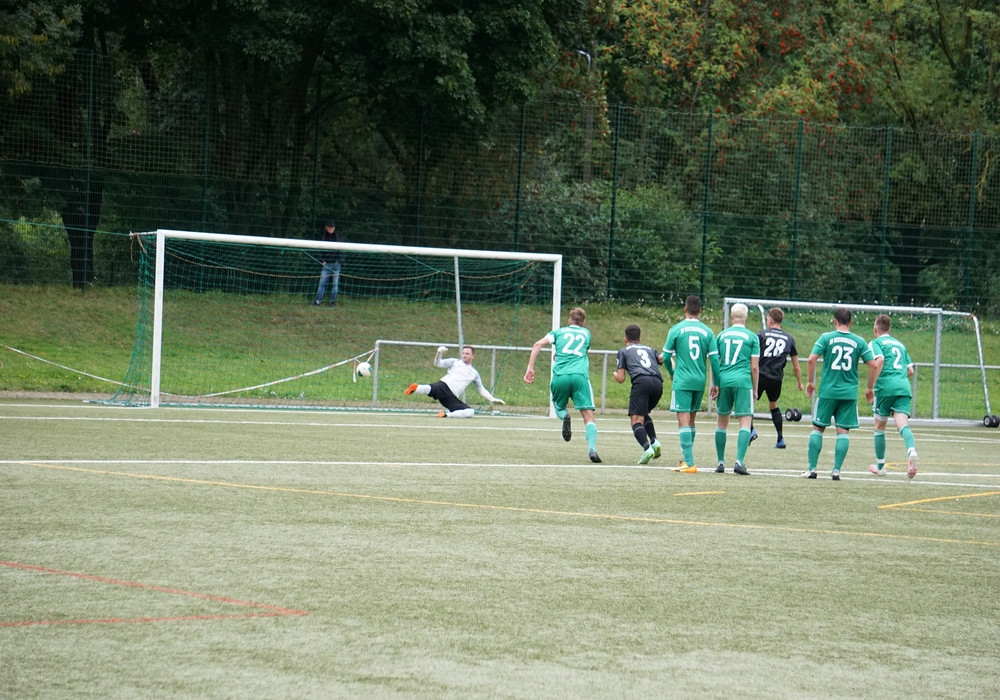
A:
215, 553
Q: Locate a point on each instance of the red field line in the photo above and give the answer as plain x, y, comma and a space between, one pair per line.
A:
266, 610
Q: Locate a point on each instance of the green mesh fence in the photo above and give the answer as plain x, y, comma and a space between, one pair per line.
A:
645, 204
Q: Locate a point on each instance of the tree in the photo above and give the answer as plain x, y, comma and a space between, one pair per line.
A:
774, 58
947, 68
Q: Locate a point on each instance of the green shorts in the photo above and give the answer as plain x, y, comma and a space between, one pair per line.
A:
734, 401
844, 413
572, 387
885, 406
686, 401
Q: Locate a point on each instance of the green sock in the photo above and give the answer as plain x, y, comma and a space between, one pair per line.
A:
880, 446
561, 414
742, 443
815, 447
591, 430
840, 453
908, 440
720, 444
686, 436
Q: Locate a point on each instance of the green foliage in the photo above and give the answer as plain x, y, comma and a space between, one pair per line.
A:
659, 242
947, 65
35, 42
419, 122
568, 219
32, 253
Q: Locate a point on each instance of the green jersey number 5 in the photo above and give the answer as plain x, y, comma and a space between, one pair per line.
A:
693, 347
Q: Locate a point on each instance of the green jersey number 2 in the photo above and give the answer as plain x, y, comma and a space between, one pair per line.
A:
897, 359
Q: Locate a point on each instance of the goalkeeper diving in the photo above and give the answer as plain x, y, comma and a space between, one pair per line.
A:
460, 375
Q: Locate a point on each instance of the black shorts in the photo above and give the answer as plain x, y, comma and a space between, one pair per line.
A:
441, 392
646, 393
771, 387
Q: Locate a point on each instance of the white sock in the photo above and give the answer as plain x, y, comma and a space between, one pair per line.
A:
464, 413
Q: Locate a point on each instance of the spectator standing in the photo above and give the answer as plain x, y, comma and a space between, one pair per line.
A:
331, 261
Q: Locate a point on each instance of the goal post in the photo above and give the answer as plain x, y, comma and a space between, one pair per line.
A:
945, 343
229, 320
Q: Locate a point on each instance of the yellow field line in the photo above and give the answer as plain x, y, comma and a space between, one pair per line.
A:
516, 509
939, 498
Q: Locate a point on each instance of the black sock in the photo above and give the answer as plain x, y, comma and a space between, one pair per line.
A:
650, 430
776, 419
640, 435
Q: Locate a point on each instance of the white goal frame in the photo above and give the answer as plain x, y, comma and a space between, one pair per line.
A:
937, 313
456, 253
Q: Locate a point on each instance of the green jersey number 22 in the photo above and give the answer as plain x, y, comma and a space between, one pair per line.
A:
574, 345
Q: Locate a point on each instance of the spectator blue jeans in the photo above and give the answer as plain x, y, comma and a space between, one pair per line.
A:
330, 273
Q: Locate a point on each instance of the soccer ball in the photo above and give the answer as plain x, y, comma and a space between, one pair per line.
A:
364, 369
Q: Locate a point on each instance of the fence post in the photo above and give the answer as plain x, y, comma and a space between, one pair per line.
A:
206, 146
614, 198
314, 215
520, 173
89, 221
795, 207
705, 205
885, 217
967, 272
420, 176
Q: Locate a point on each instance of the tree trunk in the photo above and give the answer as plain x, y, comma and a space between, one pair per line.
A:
907, 258
80, 218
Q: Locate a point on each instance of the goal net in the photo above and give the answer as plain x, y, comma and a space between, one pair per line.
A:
229, 321
949, 381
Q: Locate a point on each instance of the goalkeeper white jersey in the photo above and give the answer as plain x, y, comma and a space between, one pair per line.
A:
461, 375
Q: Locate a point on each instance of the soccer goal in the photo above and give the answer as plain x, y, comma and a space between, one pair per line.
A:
229, 320
949, 381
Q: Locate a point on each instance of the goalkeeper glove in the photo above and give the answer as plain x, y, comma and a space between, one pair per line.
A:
442, 349
499, 401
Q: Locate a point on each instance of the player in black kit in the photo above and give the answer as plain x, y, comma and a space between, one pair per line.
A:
776, 348
641, 363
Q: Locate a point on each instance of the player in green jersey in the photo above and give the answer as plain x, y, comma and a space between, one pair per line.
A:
842, 351
690, 344
739, 354
892, 395
570, 376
